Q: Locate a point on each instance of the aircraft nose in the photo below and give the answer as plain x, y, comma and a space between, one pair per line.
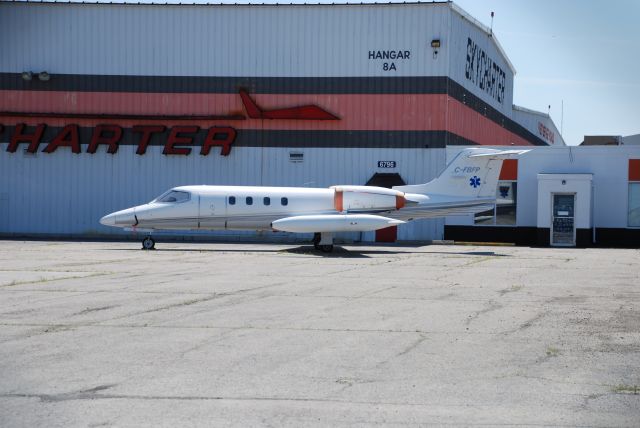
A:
122, 218
108, 220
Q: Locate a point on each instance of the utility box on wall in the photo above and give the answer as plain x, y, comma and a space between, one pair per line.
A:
565, 209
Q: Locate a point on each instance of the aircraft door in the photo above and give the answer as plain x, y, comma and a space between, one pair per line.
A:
212, 212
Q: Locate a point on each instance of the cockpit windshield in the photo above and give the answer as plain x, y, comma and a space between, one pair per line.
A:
173, 196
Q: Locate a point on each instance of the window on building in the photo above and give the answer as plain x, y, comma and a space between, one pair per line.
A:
249, 200
232, 200
266, 200
633, 215
284, 201
503, 213
634, 204
506, 198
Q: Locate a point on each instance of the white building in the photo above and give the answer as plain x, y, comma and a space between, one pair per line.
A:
133, 99
586, 195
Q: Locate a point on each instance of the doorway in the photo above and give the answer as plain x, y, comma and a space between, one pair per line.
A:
563, 225
388, 180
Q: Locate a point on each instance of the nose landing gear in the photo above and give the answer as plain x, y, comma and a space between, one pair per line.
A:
148, 243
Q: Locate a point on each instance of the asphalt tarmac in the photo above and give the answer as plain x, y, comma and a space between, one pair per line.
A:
197, 334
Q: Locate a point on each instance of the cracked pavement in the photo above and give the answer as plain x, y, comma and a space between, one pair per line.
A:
198, 334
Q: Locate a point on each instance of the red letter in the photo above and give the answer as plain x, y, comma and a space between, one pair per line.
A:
146, 131
33, 139
97, 138
175, 138
68, 137
229, 135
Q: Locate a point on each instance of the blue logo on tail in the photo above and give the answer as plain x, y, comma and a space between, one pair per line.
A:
474, 181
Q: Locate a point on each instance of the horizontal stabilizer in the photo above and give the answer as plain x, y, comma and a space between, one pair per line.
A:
498, 154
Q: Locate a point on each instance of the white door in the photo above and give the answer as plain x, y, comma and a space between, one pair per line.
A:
563, 225
213, 211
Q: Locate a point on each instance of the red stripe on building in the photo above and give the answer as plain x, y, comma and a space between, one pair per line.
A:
509, 170
634, 169
356, 112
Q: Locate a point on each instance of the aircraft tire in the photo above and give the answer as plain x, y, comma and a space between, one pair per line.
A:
148, 243
326, 248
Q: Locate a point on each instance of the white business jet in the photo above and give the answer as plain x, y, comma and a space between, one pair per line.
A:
466, 186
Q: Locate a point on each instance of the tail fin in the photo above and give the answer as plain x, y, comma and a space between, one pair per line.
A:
253, 110
472, 174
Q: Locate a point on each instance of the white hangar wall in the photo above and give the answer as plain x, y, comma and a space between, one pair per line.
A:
246, 40
127, 65
66, 194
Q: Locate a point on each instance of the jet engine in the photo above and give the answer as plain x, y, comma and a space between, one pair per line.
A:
367, 198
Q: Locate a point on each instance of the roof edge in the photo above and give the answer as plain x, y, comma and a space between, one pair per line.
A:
464, 14
220, 3
528, 110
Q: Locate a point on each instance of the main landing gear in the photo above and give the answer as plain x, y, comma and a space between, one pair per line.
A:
323, 242
148, 243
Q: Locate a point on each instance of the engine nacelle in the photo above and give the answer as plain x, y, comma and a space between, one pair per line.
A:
366, 198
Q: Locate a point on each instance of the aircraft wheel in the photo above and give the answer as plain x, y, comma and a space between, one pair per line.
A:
326, 248
148, 243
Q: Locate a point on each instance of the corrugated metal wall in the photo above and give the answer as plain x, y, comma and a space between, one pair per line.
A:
190, 60
219, 40
64, 193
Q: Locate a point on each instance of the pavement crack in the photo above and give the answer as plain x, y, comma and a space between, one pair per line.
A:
490, 307
84, 394
412, 346
181, 304
90, 310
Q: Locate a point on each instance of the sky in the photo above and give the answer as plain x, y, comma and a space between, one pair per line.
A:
584, 54
580, 57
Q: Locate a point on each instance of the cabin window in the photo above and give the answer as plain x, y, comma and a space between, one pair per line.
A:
249, 200
232, 200
174, 196
266, 200
284, 201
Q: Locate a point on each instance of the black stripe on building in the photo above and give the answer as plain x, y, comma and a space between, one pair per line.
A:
274, 138
522, 235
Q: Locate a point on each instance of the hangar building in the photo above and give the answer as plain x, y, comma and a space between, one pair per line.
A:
105, 106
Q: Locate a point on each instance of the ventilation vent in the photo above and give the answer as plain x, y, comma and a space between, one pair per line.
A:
296, 157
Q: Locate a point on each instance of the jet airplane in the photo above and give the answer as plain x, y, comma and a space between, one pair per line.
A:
466, 186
